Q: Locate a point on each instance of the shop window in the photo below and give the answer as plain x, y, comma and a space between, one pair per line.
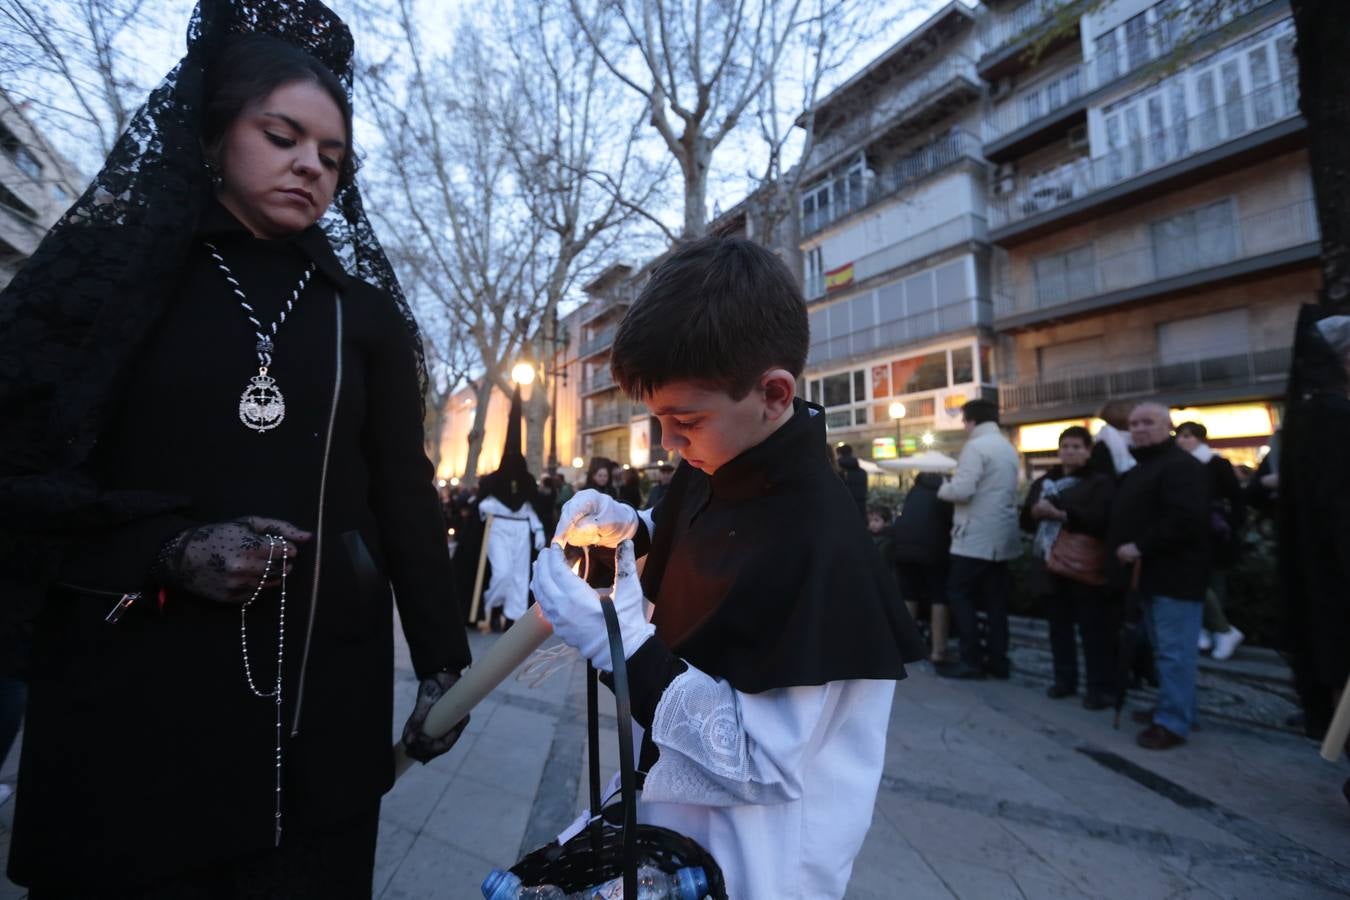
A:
881, 381
859, 385
920, 373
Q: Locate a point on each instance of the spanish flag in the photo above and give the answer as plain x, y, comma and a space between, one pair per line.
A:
839, 278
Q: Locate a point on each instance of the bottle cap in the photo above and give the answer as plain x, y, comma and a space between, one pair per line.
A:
500, 884
691, 883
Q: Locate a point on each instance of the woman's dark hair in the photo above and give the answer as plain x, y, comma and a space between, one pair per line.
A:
718, 311
1078, 433
248, 68
1195, 430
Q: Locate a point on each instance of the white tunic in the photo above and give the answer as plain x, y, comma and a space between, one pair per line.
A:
779, 786
514, 533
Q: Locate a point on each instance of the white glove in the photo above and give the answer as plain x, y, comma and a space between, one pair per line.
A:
537, 538
592, 518
573, 607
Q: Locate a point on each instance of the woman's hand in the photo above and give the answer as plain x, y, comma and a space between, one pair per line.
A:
1044, 509
225, 561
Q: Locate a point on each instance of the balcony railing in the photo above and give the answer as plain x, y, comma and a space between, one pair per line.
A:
954, 231
1146, 379
927, 160
1038, 102
887, 111
617, 414
600, 381
1147, 152
1048, 96
599, 342
1160, 252
614, 298
898, 332
998, 30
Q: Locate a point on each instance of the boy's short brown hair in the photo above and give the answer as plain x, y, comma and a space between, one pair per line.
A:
719, 311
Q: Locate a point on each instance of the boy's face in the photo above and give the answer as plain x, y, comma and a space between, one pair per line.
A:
874, 523
709, 429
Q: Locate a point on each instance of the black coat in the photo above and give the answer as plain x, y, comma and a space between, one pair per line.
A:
144, 753
1228, 504
923, 530
1162, 506
764, 575
855, 479
1087, 503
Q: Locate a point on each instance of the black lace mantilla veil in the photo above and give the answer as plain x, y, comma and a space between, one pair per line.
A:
77, 313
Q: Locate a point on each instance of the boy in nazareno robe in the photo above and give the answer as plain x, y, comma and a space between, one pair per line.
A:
765, 677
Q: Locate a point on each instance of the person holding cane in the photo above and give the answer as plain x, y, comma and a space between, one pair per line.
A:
212, 476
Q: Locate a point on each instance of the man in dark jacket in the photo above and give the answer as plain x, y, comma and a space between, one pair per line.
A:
1159, 524
855, 479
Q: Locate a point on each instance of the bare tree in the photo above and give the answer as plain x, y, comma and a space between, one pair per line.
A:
697, 67
505, 174
571, 137
79, 64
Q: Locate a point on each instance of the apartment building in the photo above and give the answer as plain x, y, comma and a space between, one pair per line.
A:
894, 240
1151, 211
36, 187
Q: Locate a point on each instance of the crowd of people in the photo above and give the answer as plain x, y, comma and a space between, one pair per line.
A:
1142, 519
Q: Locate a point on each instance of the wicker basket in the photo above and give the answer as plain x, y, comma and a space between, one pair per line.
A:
605, 850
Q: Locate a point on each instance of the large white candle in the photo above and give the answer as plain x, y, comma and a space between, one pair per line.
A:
479, 680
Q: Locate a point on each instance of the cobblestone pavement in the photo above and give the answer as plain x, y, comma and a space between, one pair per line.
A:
990, 790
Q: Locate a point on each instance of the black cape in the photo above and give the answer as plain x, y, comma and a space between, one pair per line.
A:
764, 574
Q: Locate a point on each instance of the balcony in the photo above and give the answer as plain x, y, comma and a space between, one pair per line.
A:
1004, 37
602, 380
959, 230
1263, 370
908, 108
616, 298
599, 342
1164, 258
609, 416
1087, 180
1050, 101
899, 332
926, 161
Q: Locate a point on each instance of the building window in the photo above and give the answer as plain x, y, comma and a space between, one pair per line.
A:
1196, 239
816, 208
963, 365
1107, 65
1065, 276
1136, 40
11, 200
836, 388
23, 158
986, 364
815, 273
920, 373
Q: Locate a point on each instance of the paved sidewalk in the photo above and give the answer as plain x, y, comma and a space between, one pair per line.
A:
991, 790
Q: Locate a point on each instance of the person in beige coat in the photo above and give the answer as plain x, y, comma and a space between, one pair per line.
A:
984, 537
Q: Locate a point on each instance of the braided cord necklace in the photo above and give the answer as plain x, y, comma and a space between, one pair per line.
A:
261, 406
273, 542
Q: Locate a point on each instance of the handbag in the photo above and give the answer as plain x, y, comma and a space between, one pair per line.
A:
1078, 557
603, 850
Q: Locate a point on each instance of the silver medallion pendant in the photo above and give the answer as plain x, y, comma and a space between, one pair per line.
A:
261, 406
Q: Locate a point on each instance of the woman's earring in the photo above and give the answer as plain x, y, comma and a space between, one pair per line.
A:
213, 172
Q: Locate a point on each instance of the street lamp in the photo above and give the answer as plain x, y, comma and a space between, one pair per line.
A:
897, 411
578, 462
522, 373
928, 440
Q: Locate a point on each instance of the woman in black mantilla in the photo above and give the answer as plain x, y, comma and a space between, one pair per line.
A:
212, 397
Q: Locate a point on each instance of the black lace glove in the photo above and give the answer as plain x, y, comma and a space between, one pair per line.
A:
225, 561
420, 745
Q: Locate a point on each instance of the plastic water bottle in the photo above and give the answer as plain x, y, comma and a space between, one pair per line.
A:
652, 884
503, 885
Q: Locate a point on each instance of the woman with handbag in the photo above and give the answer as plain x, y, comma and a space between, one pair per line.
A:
1067, 510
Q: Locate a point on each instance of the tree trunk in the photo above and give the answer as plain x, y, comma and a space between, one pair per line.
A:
433, 425
696, 188
1323, 49
536, 412
482, 397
